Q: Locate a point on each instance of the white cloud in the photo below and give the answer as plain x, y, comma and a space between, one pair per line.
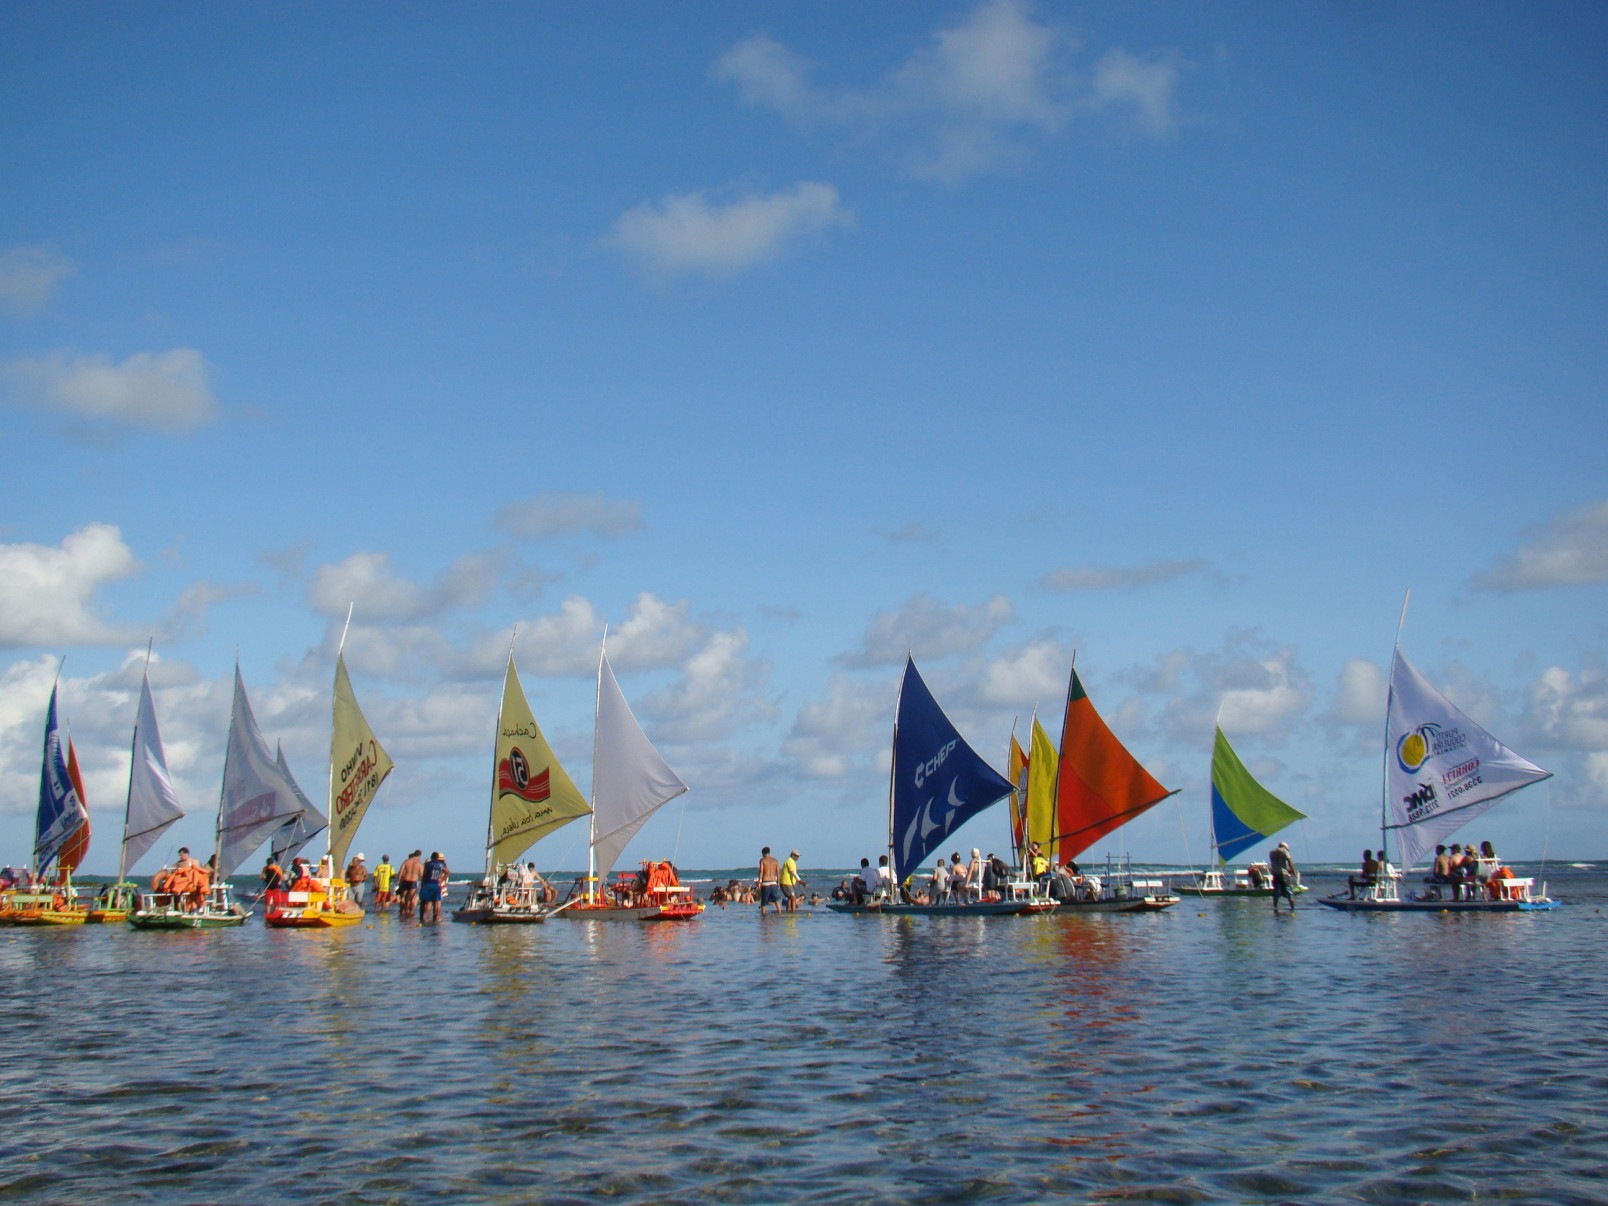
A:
1249, 686
654, 634
1147, 90
714, 695
29, 275
1359, 696
47, 594
1034, 674
557, 513
365, 582
981, 94
165, 391
1571, 550
1106, 577
695, 233
1570, 710
564, 643
923, 628
834, 739
770, 76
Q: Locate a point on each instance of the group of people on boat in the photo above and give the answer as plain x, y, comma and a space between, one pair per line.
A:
417, 887
1470, 873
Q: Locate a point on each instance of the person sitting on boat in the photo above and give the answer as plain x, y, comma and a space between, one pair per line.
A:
1369, 876
974, 876
1440, 871
1495, 883
1486, 867
884, 878
958, 873
301, 878
1001, 875
864, 884
273, 875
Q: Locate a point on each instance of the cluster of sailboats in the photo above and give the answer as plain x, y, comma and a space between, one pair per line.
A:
1441, 771
261, 802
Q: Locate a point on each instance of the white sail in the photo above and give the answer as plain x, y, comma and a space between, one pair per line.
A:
630, 780
152, 803
291, 837
1441, 769
257, 798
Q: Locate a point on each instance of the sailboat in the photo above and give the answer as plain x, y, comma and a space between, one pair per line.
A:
1244, 814
152, 806
936, 783
61, 836
252, 803
1441, 771
630, 782
1080, 793
357, 767
531, 796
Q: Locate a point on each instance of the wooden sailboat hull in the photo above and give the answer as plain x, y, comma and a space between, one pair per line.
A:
1259, 893
988, 908
1345, 904
670, 912
308, 911
176, 919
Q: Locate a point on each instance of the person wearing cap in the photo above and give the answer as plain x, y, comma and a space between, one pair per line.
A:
383, 875
1283, 867
357, 875
790, 881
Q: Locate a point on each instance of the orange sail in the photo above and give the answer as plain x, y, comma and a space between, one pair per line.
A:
77, 845
1100, 785
1016, 763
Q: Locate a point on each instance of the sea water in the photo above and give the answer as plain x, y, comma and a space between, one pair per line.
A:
1214, 1052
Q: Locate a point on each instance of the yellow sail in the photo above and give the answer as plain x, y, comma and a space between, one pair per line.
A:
357, 767
1042, 764
532, 795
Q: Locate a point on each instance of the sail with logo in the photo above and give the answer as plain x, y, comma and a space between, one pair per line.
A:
531, 796
1442, 769
937, 784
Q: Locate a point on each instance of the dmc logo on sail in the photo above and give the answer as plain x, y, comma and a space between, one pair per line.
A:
1421, 803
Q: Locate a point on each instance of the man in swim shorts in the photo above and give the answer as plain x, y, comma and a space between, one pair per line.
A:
408, 876
770, 890
430, 888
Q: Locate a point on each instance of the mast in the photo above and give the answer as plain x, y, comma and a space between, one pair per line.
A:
495, 737
893, 756
591, 821
1213, 860
1384, 762
133, 753
329, 827
223, 788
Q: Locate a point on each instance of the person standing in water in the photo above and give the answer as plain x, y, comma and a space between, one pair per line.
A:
1283, 867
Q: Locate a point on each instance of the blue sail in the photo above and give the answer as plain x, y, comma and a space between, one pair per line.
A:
939, 782
61, 812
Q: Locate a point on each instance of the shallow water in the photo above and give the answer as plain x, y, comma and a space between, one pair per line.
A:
1212, 1053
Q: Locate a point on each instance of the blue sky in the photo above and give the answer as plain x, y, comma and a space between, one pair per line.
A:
784, 339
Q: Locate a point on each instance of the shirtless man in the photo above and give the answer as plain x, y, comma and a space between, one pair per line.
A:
770, 886
408, 877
